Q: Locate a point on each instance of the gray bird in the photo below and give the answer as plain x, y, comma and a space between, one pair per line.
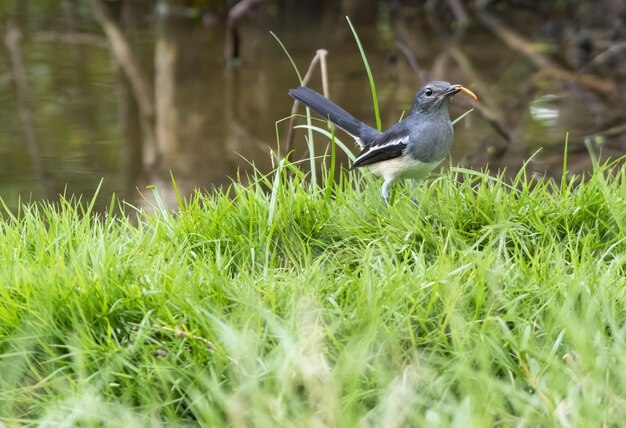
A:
411, 148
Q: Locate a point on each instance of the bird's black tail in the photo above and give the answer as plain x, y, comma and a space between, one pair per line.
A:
362, 133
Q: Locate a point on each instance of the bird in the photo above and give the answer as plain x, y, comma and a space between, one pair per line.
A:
411, 148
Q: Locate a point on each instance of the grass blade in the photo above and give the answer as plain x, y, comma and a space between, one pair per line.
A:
369, 75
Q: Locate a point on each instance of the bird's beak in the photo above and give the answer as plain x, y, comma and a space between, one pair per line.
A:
460, 88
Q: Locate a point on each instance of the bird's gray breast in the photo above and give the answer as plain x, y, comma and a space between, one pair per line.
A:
431, 139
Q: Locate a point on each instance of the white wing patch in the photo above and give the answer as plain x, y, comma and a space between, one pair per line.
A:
395, 142
384, 146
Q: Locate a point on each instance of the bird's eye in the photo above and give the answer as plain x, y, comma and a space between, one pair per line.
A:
428, 92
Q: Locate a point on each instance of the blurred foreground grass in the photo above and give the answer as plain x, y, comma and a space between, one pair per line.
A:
489, 304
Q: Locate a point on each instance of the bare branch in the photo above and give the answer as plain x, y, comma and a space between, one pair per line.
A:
519, 44
320, 56
421, 74
238, 11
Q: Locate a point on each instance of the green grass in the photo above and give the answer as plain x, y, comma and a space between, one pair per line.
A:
286, 305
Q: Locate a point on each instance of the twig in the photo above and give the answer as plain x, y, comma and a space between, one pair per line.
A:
601, 57
408, 54
488, 107
459, 11
235, 14
323, 53
519, 44
181, 333
12, 41
320, 56
440, 64
515, 41
610, 132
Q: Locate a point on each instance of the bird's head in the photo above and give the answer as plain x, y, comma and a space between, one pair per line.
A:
436, 95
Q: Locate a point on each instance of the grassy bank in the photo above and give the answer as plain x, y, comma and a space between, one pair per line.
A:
490, 303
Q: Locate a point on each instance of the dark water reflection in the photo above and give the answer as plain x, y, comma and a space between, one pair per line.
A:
210, 120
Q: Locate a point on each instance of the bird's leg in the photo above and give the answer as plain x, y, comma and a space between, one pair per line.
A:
386, 190
412, 191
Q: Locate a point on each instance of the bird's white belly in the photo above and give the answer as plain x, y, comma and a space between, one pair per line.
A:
403, 167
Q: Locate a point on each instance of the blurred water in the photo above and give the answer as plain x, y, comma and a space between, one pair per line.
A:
214, 120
